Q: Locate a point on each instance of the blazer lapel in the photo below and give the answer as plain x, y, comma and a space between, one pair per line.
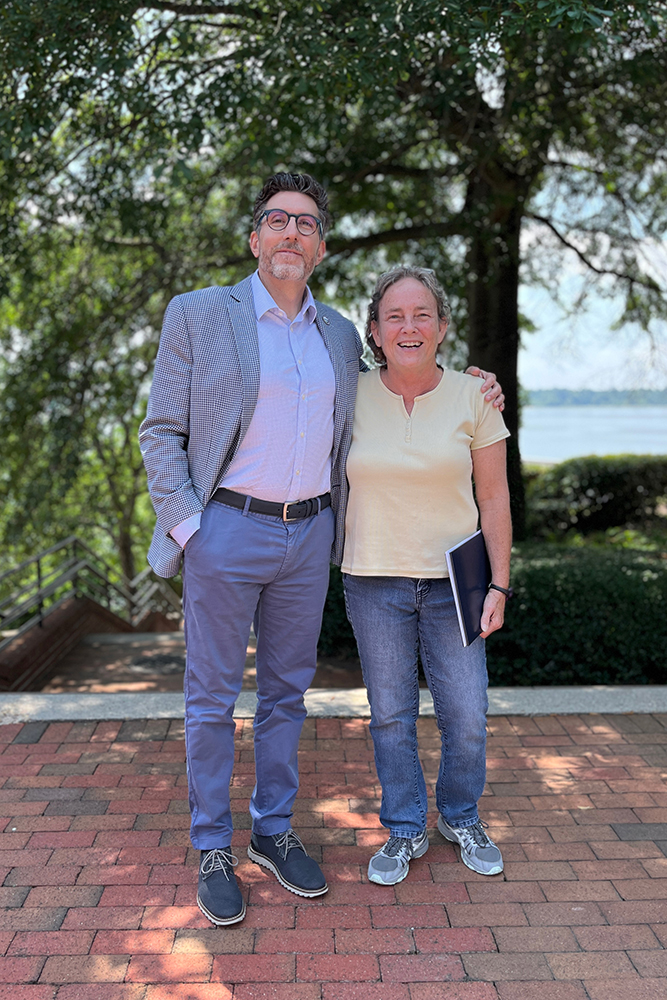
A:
337, 357
244, 325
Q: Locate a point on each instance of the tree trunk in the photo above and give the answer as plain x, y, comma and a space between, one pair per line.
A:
492, 291
125, 551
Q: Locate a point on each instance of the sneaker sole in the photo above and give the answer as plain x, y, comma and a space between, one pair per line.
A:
419, 853
496, 870
377, 880
220, 921
261, 859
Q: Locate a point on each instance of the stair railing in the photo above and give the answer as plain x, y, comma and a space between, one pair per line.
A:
34, 589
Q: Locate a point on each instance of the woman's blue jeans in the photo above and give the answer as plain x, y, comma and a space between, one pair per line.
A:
393, 618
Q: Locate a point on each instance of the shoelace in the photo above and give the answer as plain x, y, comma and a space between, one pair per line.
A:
395, 845
286, 841
217, 860
476, 833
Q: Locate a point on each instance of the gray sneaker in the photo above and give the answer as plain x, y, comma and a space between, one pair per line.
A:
390, 865
477, 850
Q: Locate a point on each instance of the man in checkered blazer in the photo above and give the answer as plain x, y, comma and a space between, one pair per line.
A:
248, 427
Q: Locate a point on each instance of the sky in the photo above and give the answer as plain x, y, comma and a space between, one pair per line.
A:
583, 352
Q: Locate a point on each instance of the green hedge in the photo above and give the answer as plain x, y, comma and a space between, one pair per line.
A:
580, 616
583, 616
336, 637
593, 494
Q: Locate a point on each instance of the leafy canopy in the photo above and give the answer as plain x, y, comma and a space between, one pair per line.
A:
485, 140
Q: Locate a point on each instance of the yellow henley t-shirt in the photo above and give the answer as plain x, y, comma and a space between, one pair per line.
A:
410, 480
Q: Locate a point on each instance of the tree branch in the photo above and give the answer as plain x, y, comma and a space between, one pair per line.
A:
442, 229
195, 10
397, 170
221, 264
632, 279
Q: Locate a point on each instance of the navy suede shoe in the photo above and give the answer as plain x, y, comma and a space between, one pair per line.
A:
287, 858
218, 895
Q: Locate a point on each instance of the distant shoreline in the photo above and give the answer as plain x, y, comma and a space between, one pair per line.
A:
557, 433
592, 397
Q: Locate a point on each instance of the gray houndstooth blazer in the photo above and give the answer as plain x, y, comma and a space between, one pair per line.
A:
202, 399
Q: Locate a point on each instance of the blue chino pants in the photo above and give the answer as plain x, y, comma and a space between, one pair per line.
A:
393, 618
237, 568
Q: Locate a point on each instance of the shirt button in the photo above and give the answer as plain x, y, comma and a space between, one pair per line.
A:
301, 433
303, 395
298, 472
299, 362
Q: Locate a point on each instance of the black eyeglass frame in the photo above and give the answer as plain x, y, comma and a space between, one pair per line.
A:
290, 215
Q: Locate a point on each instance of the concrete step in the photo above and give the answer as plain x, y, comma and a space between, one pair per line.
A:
599, 700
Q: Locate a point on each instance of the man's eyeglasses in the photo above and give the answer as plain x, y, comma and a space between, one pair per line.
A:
278, 220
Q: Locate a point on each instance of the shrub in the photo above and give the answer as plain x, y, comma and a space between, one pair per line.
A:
336, 637
583, 616
593, 494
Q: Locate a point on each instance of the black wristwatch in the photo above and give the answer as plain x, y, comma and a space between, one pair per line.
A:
507, 592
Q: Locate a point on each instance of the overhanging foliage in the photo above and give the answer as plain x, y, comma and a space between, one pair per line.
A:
484, 140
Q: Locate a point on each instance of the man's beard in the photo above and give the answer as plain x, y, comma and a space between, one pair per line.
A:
284, 271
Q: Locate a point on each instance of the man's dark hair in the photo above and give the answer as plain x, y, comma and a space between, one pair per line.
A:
304, 184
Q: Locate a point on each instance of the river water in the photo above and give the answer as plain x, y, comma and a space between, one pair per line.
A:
555, 433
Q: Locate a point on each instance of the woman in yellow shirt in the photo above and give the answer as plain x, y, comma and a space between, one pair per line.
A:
420, 434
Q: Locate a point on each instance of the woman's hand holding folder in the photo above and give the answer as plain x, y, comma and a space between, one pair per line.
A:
493, 612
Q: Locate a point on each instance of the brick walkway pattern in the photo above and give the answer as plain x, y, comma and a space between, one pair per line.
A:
98, 877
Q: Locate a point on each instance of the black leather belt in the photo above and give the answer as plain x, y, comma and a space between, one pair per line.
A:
288, 511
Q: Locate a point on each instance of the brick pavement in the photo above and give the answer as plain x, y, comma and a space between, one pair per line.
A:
98, 878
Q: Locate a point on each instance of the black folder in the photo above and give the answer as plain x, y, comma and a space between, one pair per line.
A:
470, 575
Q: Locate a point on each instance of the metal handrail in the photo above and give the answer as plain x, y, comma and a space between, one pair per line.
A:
70, 573
72, 540
79, 573
11, 599
40, 593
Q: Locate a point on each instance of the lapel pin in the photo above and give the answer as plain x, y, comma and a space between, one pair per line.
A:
325, 319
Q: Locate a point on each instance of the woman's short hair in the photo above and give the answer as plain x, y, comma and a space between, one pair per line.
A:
389, 278
304, 184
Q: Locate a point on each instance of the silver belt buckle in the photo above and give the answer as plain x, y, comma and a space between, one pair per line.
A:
285, 517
